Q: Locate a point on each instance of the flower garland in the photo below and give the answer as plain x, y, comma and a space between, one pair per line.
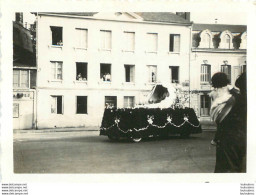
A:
150, 120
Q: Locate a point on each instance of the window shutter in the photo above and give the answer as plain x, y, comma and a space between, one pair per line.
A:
177, 43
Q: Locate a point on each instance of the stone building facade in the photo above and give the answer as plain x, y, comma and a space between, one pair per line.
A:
215, 48
89, 61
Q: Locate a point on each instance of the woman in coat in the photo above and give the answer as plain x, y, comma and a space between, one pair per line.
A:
230, 138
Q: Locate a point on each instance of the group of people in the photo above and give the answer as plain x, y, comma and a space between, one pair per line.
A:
106, 77
229, 112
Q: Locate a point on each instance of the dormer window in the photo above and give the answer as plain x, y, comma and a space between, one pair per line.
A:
243, 41
206, 39
226, 39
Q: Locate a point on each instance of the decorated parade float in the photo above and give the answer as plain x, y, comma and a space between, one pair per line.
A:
165, 113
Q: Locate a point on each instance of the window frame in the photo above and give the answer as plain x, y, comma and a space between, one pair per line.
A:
114, 100
243, 68
56, 70
201, 113
19, 79
173, 43
156, 43
86, 70
203, 75
133, 101
131, 66
101, 73
178, 68
62, 104
150, 74
78, 45
133, 41
229, 75
86, 110
61, 43
101, 43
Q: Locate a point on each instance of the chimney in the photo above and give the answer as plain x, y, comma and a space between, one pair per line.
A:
185, 15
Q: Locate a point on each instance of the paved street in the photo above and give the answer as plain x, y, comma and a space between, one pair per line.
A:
87, 152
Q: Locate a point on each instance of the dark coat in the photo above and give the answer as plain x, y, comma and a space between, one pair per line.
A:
231, 139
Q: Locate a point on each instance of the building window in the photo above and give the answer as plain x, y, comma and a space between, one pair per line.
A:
81, 38
56, 105
57, 35
174, 45
205, 74
128, 101
129, 73
81, 71
129, 41
243, 68
207, 40
81, 104
227, 41
110, 101
152, 73
227, 70
105, 72
174, 74
152, 40
205, 105
56, 70
105, 40
20, 79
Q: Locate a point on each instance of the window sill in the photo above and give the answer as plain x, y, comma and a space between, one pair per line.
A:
128, 51
109, 50
55, 46
154, 52
83, 82
129, 83
21, 88
151, 83
55, 81
172, 52
82, 113
205, 83
105, 82
80, 48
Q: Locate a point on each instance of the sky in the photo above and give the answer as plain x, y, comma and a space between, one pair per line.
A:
239, 18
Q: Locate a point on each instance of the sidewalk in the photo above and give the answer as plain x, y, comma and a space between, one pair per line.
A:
206, 126
67, 129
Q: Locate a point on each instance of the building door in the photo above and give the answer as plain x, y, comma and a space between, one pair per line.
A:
23, 110
23, 114
205, 102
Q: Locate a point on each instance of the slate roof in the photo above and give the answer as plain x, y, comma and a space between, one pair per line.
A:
166, 17
219, 27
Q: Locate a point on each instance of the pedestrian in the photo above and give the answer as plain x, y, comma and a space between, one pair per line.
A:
230, 137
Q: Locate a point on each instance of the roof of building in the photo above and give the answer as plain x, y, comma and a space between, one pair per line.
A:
162, 17
166, 17
219, 27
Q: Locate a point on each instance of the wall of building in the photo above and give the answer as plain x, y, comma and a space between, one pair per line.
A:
69, 88
234, 58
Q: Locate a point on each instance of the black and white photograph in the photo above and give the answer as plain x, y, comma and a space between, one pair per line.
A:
129, 92
127, 97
